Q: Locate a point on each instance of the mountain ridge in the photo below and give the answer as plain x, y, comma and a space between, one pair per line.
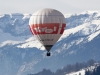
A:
21, 53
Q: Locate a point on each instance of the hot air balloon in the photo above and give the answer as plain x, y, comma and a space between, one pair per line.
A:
47, 26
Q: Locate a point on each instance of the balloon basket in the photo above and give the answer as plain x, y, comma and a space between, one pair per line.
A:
48, 54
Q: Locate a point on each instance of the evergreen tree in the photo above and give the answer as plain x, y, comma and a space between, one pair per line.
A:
94, 72
91, 62
79, 73
72, 68
98, 70
87, 72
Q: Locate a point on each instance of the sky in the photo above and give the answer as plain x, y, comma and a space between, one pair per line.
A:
64, 6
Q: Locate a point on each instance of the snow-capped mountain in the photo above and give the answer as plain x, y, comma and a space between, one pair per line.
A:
84, 70
21, 53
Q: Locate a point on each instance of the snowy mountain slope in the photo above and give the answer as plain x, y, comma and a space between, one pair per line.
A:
81, 72
21, 53
90, 30
15, 24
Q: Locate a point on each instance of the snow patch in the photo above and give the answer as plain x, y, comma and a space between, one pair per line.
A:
67, 15
97, 22
26, 16
81, 72
92, 36
72, 52
89, 12
30, 43
79, 41
74, 30
2, 15
9, 42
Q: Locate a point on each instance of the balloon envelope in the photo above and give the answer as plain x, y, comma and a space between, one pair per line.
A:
47, 25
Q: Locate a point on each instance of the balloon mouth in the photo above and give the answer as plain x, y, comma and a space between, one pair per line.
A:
48, 47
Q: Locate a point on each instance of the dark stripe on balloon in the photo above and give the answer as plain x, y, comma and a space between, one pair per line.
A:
48, 45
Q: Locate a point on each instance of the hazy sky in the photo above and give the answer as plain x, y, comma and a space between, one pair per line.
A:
64, 6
